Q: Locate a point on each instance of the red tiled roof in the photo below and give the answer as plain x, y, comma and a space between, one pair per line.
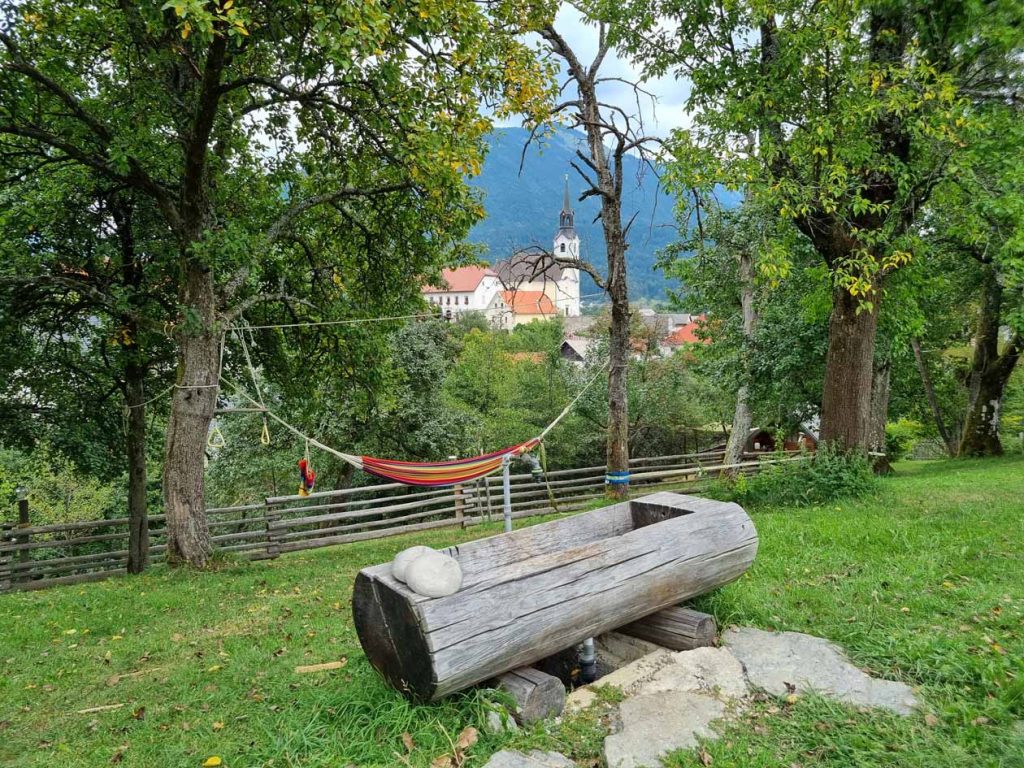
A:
529, 302
461, 280
687, 334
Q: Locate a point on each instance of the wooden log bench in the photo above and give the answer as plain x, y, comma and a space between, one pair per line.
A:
535, 591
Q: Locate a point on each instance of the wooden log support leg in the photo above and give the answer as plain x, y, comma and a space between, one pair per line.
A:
676, 628
538, 695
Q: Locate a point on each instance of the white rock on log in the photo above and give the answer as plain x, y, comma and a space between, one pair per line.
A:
400, 564
433, 574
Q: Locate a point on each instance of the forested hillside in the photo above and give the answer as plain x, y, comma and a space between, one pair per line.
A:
522, 208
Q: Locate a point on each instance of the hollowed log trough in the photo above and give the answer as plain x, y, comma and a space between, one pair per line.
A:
535, 591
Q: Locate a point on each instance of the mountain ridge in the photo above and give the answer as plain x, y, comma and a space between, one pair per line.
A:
523, 207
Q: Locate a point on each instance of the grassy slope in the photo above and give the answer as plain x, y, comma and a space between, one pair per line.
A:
924, 583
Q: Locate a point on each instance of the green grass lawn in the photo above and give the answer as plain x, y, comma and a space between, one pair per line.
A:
922, 583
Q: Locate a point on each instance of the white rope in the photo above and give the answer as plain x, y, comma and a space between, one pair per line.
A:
355, 461
240, 335
171, 388
569, 407
351, 321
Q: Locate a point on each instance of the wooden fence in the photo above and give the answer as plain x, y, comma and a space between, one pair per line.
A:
38, 556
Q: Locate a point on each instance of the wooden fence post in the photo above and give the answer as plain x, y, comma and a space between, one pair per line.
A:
23, 522
273, 542
5, 573
460, 505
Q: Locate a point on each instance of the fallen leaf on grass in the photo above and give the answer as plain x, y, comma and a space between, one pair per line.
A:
705, 757
325, 667
979, 721
408, 742
140, 713
101, 708
218, 726
467, 738
118, 755
212, 762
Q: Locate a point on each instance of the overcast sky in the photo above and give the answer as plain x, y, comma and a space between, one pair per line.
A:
666, 113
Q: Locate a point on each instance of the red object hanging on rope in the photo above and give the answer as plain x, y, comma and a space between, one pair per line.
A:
307, 478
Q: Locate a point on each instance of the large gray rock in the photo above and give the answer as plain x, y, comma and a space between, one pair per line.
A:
657, 723
788, 662
402, 560
434, 574
534, 759
714, 671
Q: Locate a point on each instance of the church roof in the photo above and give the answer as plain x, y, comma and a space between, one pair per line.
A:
460, 280
527, 266
566, 219
529, 303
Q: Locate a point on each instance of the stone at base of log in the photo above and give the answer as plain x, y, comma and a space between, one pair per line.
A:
537, 694
676, 628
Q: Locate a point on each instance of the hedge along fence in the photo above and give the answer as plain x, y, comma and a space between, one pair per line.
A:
34, 557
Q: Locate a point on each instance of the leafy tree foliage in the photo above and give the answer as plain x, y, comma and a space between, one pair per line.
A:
234, 122
840, 116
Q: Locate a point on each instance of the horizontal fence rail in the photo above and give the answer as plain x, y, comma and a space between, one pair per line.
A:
38, 556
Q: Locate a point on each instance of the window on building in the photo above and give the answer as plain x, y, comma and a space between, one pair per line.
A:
448, 300
563, 248
465, 300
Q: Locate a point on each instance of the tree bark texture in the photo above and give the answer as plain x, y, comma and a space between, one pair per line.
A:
880, 390
933, 401
846, 399
618, 408
742, 418
192, 408
138, 518
990, 372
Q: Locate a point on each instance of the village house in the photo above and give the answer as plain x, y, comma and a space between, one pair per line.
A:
527, 286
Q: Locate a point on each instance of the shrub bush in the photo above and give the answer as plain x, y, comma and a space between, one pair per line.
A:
901, 437
814, 479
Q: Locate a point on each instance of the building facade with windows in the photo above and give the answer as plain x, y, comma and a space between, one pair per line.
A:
529, 285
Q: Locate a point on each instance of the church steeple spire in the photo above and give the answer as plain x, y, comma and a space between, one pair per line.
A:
565, 218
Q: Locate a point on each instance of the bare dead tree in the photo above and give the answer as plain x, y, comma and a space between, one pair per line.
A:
612, 134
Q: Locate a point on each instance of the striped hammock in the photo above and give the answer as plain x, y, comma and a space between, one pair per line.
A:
441, 473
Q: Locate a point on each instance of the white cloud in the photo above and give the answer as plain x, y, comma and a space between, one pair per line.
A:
665, 112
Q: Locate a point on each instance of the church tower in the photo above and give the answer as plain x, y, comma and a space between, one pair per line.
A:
567, 246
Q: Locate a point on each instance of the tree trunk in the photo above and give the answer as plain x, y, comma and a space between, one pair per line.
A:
981, 428
741, 420
192, 407
990, 372
933, 401
846, 400
138, 519
617, 454
880, 414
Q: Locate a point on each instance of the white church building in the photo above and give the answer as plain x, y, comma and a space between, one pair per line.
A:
529, 285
